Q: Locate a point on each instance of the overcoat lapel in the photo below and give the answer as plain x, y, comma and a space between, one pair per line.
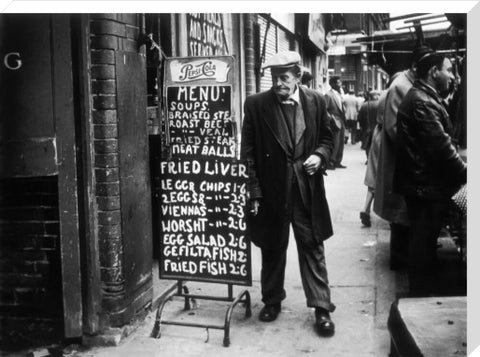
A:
308, 104
273, 116
309, 117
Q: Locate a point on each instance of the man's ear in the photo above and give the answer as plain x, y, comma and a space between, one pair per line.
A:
434, 71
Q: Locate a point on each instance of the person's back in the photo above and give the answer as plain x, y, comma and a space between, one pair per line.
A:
360, 99
350, 102
372, 159
387, 204
351, 111
367, 119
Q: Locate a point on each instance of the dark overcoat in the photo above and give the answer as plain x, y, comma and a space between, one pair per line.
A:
265, 147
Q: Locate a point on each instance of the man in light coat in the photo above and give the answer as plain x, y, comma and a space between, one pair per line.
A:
351, 115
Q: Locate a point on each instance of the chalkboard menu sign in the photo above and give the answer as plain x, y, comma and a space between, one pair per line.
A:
200, 123
203, 184
203, 225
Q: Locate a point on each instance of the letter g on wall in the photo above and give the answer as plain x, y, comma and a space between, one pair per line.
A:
12, 61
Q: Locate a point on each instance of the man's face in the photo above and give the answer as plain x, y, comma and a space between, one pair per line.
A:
337, 85
284, 82
444, 76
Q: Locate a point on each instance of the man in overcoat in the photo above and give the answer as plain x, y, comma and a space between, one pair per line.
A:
336, 113
388, 204
287, 141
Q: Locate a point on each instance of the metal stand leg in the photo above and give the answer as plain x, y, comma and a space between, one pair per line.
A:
185, 293
228, 316
176, 290
168, 296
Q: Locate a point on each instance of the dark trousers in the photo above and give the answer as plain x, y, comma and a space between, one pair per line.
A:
399, 236
352, 128
426, 219
311, 257
338, 145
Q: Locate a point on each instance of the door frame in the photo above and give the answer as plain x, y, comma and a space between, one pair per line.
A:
89, 249
64, 121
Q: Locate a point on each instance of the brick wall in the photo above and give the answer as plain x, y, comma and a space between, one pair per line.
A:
30, 260
30, 271
111, 33
249, 45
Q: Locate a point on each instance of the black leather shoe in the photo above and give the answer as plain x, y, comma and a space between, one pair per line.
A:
340, 166
269, 313
330, 167
323, 322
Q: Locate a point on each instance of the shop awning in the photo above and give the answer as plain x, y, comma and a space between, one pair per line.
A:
392, 50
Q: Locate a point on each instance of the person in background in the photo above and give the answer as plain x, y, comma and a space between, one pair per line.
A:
428, 169
454, 100
372, 159
388, 204
287, 142
367, 120
307, 78
360, 99
351, 111
336, 112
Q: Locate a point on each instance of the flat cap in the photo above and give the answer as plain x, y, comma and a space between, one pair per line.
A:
284, 59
